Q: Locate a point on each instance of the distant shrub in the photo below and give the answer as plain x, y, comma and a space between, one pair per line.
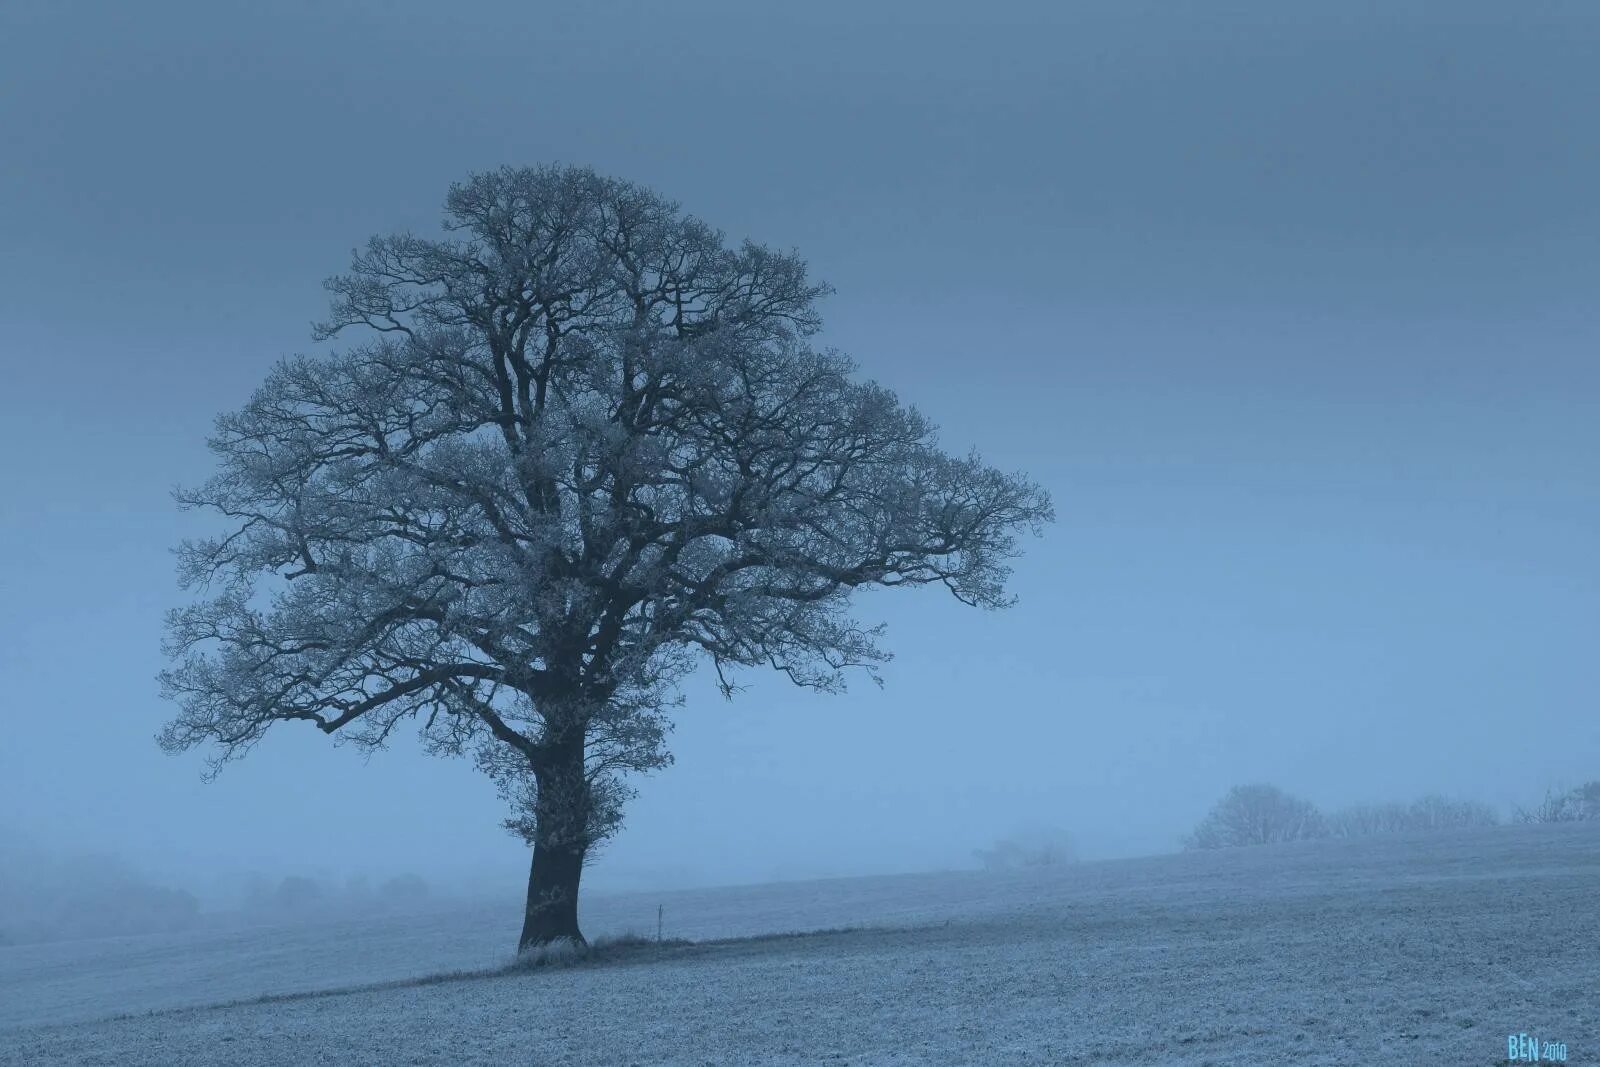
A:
1257, 815
1048, 848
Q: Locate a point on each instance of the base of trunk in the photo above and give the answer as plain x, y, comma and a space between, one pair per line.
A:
552, 912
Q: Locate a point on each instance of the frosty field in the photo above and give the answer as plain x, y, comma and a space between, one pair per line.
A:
1418, 950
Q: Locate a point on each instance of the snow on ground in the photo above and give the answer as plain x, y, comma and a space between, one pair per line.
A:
1416, 950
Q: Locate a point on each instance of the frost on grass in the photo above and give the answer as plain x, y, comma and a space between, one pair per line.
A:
1425, 949
619, 948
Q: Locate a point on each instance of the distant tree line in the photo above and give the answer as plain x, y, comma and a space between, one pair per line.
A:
48, 898
297, 896
1262, 814
1431, 812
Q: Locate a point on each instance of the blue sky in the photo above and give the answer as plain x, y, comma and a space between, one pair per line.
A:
1291, 306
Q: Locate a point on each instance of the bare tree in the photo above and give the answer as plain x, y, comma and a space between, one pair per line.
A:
581, 444
1256, 815
1586, 798
1581, 804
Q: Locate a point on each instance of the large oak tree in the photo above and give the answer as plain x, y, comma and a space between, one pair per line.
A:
576, 444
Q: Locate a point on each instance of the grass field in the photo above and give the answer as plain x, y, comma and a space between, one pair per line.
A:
1401, 950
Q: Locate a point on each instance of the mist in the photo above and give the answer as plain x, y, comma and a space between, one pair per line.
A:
1292, 313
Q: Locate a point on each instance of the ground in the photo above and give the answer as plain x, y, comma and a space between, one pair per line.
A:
1402, 950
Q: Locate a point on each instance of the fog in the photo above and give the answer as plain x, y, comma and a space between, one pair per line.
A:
1293, 317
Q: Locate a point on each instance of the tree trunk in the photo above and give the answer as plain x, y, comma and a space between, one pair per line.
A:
552, 913
560, 843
